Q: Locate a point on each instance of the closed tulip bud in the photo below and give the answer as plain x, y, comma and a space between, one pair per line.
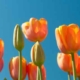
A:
37, 54
18, 39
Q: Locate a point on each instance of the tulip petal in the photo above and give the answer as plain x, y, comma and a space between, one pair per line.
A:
14, 67
74, 27
1, 64
1, 48
32, 71
43, 21
72, 37
63, 33
78, 67
60, 43
64, 61
25, 27
78, 40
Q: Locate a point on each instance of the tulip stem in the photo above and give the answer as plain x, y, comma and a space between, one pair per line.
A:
39, 73
69, 76
78, 78
20, 66
73, 66
5, 79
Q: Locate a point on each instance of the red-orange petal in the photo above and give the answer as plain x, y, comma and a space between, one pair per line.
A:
1, 64
59, 41
32, 71
65, 61
72, 37
14, 67
1, 48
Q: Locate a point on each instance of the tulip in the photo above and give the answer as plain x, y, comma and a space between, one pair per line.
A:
18, 42
38, 58
67, 38
68, 41
32, 71
65, 62
35, 30
18, 39
14, 67
1, 48
37, 54
1, 64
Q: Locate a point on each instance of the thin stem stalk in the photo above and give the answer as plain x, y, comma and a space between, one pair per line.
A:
20, 66
73, 66
69, 76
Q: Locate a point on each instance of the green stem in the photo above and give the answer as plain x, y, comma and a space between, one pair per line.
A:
78, 78
39, 73
73, 66
5, 79
69, 76
20, 66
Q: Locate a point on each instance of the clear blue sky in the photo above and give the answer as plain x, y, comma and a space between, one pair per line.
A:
56, 12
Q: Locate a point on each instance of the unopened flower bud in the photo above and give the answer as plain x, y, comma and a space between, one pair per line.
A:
18, 39
37, 54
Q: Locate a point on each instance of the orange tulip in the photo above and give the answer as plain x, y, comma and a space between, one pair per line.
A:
1, 64
14, 67
35, 30
32, 71
65, 62
1, 48
67, 38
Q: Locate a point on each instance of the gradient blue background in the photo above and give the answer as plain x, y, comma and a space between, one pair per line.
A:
56, 12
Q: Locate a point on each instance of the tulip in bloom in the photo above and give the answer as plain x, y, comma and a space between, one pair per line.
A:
35, 30
1, 64
68, 38
37, 54
14, 67
32, 71
65, 62
1, 48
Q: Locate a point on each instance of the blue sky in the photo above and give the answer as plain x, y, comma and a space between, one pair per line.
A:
56, 12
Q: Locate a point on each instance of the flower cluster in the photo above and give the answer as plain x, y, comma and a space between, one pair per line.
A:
35, 31
68, 42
